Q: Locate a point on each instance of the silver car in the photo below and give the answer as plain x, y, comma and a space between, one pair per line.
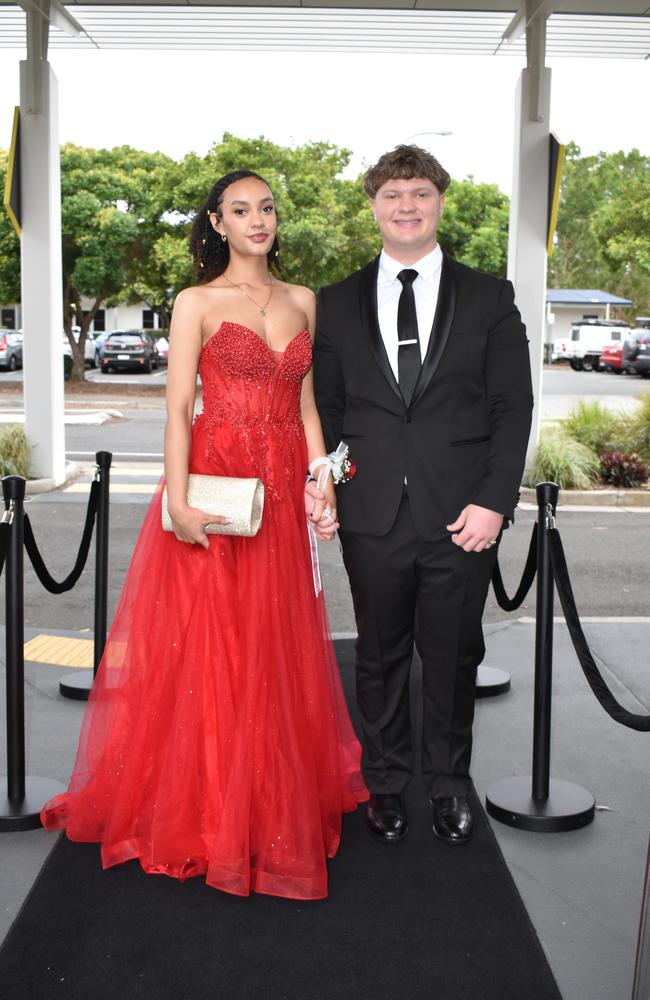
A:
89, 347
11, 350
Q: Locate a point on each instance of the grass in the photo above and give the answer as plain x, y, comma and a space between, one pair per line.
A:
561, 459
569, 454
593, 425
638, 434
14, 451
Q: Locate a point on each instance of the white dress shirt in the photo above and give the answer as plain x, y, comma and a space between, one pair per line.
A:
425, 289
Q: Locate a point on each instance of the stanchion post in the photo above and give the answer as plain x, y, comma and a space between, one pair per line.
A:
13, 490
104, 459
542, 803
641, 986
547, 497
25, 795
77, 684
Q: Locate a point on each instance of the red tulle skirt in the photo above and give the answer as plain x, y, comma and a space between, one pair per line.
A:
217, 740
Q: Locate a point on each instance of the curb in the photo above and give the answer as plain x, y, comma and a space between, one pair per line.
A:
593, 498
35, 486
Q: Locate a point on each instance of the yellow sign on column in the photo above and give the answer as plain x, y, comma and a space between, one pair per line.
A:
11, 198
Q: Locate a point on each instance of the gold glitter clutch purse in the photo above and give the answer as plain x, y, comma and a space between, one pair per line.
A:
241, 499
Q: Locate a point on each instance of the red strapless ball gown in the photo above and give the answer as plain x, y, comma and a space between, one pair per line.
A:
217, 740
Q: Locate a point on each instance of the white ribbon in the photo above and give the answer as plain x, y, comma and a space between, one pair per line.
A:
313, 543
332, 463
336, 460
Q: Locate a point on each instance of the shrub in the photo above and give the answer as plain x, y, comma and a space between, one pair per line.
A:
14, 451
638, 435
593, 425
561, 459
620, 469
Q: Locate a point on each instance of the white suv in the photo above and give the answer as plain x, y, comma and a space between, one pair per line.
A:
588, 339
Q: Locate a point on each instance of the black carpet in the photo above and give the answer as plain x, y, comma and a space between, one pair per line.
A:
414, 921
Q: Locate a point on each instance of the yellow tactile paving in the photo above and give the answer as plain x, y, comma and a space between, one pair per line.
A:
61, 650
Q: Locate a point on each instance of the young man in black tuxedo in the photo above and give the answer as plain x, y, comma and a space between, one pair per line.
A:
421, 366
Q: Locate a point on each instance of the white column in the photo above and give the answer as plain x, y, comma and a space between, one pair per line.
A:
42, 301
528, 217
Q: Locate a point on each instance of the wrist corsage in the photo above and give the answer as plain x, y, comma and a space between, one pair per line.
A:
338, 463
342, 467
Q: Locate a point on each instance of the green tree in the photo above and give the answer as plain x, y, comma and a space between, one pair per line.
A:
474, 225
111, 200
9, 247
326, 229
126, 216
604, 209
623, 225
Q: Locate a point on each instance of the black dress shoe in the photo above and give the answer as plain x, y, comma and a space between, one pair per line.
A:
452, 819
386, 817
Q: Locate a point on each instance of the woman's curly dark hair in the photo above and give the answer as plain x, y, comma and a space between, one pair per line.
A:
210, 253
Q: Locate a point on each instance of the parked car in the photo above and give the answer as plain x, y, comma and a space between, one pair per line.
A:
611, 358
636, 352
11, 350
162, 346
98, 344
129, 349
588, 337
89, 346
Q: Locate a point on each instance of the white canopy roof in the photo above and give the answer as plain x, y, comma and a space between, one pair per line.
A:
575, 28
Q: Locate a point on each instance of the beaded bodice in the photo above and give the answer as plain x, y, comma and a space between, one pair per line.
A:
243, 378
251, 398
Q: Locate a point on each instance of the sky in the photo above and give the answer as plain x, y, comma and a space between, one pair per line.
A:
182, 101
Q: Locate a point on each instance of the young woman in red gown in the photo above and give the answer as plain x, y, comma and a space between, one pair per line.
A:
217, 741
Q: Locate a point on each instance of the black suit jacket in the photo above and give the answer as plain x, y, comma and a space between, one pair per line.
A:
462, 439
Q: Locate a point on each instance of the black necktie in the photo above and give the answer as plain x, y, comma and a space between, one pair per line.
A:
409, 360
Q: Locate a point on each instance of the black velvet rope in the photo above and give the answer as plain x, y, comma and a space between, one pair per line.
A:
594, 677
530, 569
4, 544
41, 570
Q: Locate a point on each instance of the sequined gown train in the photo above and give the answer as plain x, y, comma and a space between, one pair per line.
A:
216, 740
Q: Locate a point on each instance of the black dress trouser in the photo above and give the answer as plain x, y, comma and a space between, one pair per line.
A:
406, 589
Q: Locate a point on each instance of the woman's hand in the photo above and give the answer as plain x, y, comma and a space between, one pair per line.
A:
189, 524
320, 507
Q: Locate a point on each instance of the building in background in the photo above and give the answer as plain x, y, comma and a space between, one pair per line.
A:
137, 316
565, 306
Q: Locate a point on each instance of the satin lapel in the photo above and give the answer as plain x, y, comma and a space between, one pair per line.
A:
442, 321
370, 324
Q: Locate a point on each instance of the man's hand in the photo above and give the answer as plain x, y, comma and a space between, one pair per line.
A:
476, 528
320, 508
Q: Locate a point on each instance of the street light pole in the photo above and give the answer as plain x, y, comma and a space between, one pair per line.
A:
440, 132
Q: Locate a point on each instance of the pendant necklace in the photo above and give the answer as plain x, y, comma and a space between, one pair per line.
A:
262, 309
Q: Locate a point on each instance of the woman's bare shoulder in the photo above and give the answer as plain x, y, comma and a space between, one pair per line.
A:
197, 294
301, 295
